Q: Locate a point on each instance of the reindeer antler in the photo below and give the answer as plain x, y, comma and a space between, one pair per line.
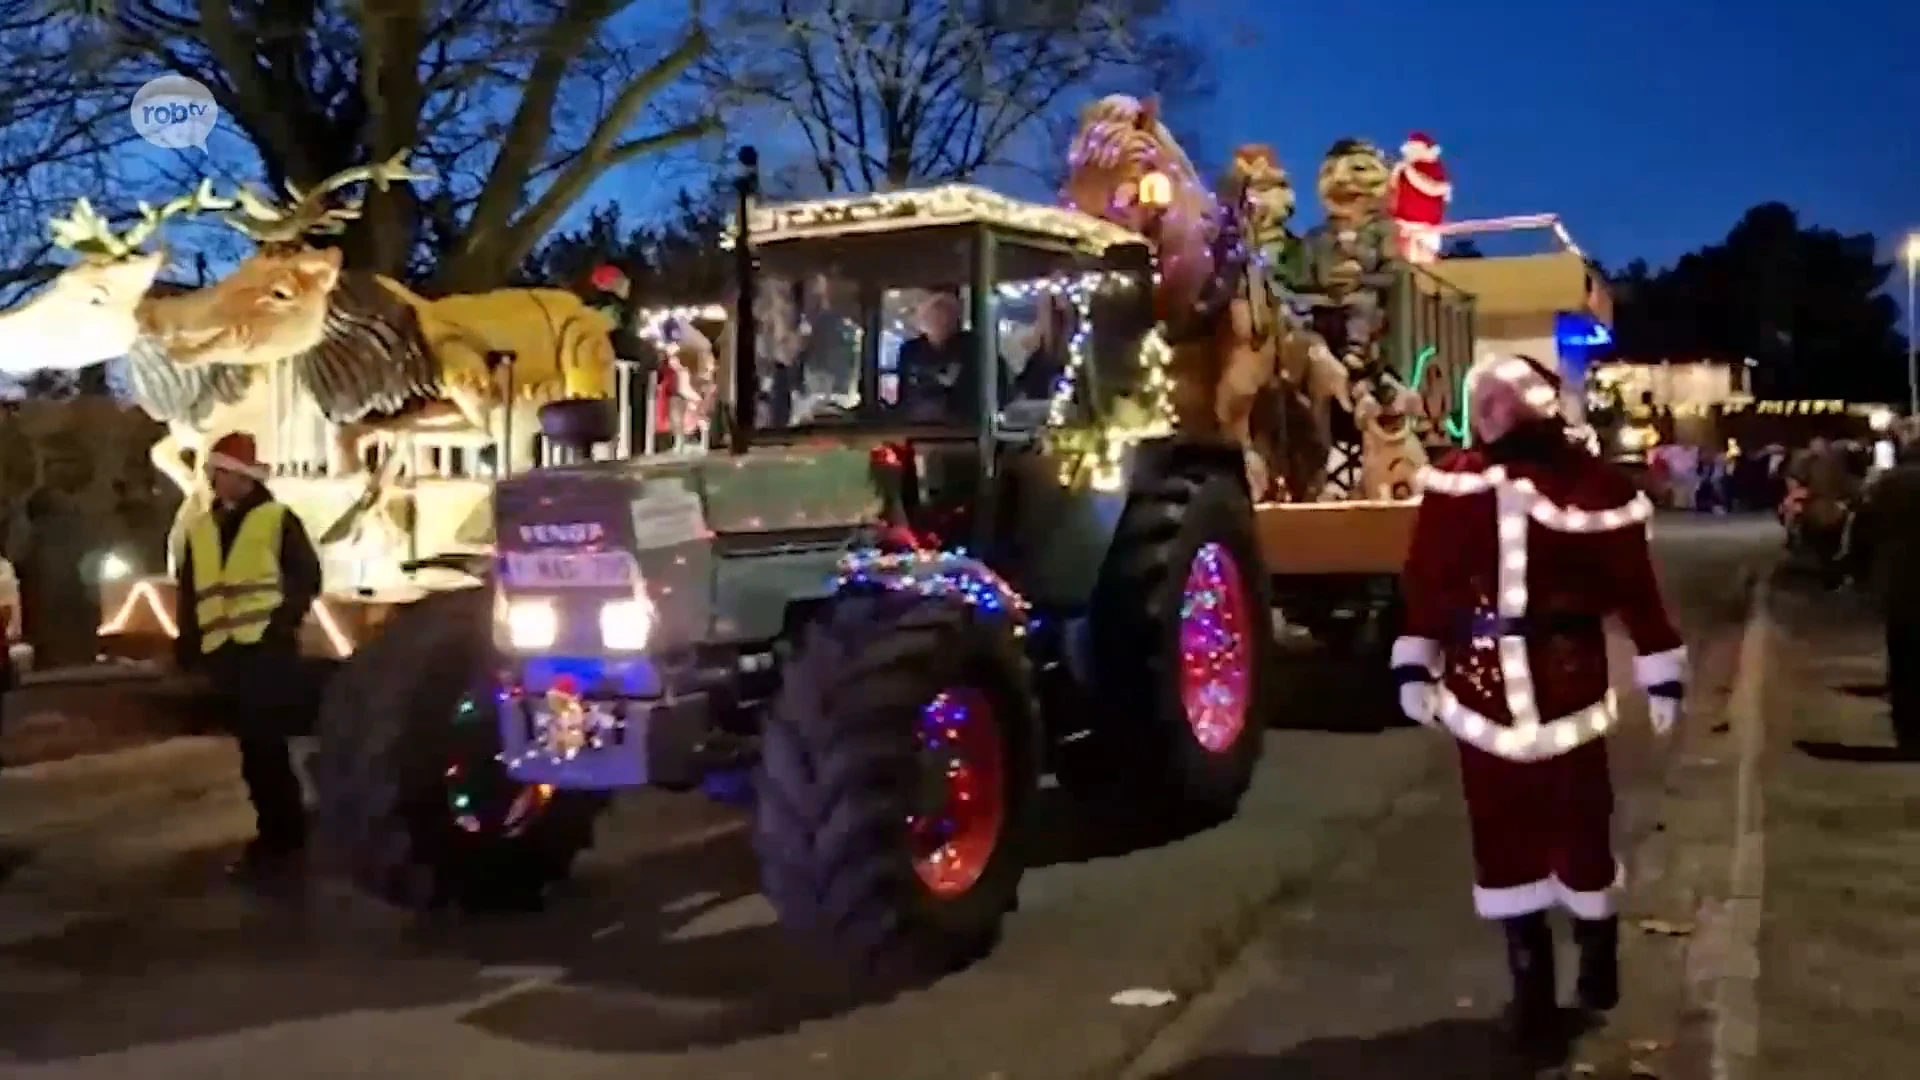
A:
200, 200
87, 231
306, 213
84, 230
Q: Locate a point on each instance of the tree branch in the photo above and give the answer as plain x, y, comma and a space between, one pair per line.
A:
503, 245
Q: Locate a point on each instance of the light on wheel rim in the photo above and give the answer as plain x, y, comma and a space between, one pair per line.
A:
1216, 654
960, 744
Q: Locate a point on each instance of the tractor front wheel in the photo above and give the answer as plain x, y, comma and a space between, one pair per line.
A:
898, 765
412, 804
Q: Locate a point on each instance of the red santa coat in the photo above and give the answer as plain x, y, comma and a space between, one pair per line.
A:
1420, 192
1417, 198
1511, 572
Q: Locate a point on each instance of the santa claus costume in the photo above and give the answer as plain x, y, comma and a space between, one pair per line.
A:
1418, 194
1523, 545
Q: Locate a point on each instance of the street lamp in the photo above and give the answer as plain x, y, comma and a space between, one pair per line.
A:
1912, 253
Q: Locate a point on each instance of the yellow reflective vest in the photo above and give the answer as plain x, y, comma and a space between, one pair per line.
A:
235, 598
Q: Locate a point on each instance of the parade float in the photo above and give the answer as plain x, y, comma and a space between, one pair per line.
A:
386, 416
1334, 357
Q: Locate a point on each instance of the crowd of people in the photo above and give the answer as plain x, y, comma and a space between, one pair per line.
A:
1685, 477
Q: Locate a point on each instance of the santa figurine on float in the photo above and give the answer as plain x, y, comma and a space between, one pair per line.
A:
1417, 198
1523, 545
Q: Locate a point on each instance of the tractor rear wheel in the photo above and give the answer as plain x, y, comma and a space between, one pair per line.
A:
1182, 658
897, 771
411, 803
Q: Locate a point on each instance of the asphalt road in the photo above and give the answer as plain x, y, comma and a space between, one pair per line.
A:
123, 954
1379, 970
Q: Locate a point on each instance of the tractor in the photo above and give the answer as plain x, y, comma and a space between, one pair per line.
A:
894, 594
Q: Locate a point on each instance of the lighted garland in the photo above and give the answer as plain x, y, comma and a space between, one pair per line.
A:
1096, 453
950, 575
948, 204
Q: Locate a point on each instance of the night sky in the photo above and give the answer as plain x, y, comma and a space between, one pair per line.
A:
1648, 126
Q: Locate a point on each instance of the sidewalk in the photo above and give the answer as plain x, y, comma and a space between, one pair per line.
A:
1840, 944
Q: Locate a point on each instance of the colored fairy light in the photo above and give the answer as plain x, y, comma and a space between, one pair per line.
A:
1215, 656
950, 575
1518, 506
565, 724
953, 844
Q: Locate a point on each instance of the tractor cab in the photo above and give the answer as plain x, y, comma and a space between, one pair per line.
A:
948, 313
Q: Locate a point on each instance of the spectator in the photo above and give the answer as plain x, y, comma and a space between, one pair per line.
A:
1887, 523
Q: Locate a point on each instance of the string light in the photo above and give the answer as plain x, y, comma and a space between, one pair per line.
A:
1803, 407
650, 324
565, 724
948, 204
1517, 502
953, 575
1215, 676
1098, 454
145, 595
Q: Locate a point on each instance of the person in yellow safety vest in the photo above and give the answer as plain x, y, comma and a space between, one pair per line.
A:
247, 578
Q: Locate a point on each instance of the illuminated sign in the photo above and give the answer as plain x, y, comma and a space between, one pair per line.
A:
1579, 332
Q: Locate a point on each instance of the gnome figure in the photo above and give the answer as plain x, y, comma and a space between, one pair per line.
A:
1418, 198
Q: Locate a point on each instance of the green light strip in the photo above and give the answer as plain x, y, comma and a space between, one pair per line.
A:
1454, 426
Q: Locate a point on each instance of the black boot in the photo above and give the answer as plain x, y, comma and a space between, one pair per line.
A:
1598, 984
1534, 1014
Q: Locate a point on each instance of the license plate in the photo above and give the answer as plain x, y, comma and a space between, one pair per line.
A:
571, 570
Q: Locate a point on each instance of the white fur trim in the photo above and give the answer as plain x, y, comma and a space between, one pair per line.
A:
1536, 741
1593, 905
1427, 185
1661, 667
1417, 651
1542, 510
1517, 377
216, 460
1516, 900
1422, 152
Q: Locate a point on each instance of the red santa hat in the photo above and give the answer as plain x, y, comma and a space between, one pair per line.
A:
607, 278
1504, 392
1420, 147
235, 452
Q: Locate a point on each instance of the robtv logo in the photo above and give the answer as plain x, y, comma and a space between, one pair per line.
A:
174, 112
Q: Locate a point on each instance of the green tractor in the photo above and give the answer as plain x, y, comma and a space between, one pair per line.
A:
907, 581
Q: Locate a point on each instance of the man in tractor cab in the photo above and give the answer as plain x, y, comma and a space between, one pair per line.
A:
939, 372
246, 580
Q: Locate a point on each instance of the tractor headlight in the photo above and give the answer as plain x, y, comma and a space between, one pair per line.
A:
532, 624
626, 625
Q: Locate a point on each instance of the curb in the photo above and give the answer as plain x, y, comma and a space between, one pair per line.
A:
1728, 957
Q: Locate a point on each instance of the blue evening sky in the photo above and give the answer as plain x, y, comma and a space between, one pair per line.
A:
1648, 125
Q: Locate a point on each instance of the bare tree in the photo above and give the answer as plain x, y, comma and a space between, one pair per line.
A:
517, 106
890, 92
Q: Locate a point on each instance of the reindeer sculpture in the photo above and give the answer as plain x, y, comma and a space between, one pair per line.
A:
94, 312
384, 361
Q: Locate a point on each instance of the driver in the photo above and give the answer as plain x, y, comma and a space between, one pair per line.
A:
939, 371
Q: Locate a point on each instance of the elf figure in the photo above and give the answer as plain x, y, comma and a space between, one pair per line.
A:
1418, 199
